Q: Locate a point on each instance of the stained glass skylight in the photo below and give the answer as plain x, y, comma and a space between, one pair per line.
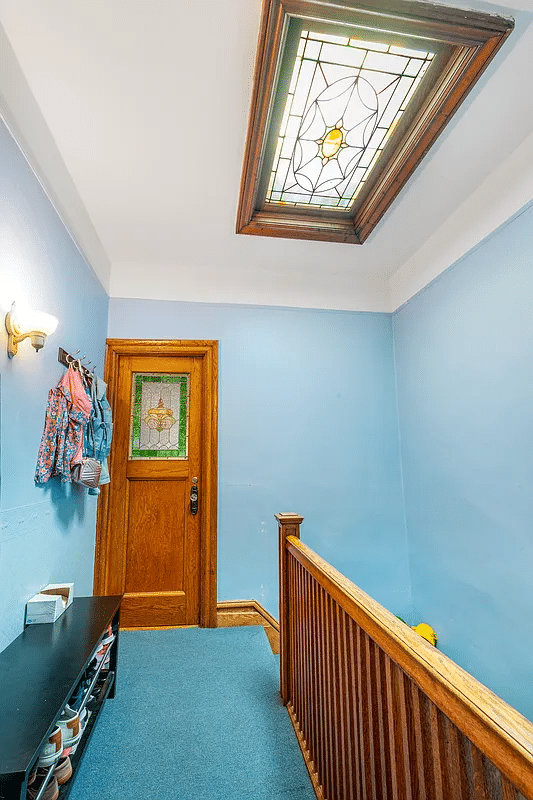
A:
345, 98
348, 97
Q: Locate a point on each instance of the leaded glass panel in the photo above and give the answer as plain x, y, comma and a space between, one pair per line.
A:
345, 98
160, 416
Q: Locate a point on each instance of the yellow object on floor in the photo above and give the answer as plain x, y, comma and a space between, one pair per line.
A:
427, 632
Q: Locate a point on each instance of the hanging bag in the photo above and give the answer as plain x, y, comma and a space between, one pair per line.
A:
87, 471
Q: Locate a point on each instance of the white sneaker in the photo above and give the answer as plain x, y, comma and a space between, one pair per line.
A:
69, 722
51, 752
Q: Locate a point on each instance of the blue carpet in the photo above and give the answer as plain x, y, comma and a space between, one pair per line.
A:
197, 716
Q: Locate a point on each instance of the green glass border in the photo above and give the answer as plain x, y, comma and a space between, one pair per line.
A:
135, 449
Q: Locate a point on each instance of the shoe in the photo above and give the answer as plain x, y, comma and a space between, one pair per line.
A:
102, 651
69, 722
51, 752
84, 718
63, 771
91, 669
109, 636
92, 702
79, 693
50, 793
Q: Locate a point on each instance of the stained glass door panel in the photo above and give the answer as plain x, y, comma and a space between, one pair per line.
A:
159, 416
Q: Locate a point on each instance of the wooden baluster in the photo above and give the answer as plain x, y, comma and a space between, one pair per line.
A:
382, 789
338, 762
384, 725
365, 743
435, 751
330, 745
328, 768
480, 786
454, 764
306, 688
354, 707
301, 649
288, 525
323, 696
390, 726
320, 739
300, 652
315, 703
508, 790
345, 787
493, 779
352, 779
293, 615
368, 711
402, 733
290, 566
296, 663
311, 739
419, 744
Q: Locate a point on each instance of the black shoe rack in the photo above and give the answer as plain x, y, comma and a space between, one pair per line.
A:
39, 672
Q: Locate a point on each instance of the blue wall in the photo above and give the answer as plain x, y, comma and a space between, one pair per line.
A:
464, 358
46, 533
307, 423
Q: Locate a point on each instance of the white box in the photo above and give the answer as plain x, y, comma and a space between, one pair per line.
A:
50, 603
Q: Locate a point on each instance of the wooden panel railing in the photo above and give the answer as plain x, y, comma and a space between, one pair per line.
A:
379, 713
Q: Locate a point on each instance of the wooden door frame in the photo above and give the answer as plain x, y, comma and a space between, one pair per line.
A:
207, 350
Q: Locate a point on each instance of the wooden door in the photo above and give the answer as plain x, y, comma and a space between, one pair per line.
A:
151, 546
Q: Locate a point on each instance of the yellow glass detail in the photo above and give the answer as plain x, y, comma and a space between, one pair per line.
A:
332, 143
160, 418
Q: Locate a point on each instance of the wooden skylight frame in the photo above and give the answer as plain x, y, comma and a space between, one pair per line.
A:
465, 42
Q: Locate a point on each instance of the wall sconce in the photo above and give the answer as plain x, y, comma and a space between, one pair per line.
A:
21, 324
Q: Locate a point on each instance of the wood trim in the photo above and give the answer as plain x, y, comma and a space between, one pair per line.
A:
247, 607
236, 613
207, 350
464, 68
315, 781
262, 223
155, 627
271, 32
473, 39
498, 730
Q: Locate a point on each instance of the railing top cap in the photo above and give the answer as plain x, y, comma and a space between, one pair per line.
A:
288, 517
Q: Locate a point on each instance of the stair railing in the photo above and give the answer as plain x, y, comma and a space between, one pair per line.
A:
379, 713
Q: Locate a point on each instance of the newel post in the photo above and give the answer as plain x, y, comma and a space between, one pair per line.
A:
288, 525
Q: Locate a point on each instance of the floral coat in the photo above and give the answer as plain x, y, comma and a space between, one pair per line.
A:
67, 412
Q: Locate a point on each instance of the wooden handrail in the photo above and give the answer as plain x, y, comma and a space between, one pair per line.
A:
455, 734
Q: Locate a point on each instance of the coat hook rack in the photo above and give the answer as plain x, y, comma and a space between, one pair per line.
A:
67, 359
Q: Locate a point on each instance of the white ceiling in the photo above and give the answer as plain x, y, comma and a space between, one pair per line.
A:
146, 102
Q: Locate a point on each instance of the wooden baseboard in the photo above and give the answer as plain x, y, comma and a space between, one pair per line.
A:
234, 613
155, 627
307, 757
234, 608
